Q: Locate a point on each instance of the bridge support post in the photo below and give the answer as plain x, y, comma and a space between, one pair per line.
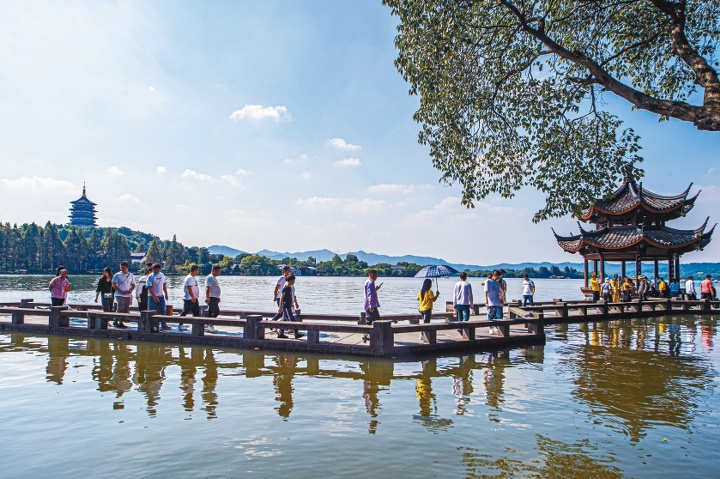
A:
57, 321
146, 325
382, 337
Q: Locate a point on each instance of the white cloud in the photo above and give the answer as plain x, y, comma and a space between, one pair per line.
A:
259, 112
319, 202
395, 188
242, 172
229, 179
115, 171
161, 170
307, 175
341, 144
128, 198
365, 205
348, 162
192, 174
37, 183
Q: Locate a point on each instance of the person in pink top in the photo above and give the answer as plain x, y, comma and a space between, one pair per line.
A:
706, 288
59, 287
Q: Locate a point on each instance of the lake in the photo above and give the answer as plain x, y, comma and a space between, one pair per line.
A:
608, 400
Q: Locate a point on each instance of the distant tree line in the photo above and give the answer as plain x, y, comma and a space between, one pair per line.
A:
35, 249
541, 272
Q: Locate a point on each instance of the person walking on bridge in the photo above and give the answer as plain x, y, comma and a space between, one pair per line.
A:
372, 303
706, 288
463, 298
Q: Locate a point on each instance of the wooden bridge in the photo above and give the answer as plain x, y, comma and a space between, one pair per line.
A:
393, 336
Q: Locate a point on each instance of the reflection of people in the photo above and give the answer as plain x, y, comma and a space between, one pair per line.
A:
426, 298
463, 298
213, 291
462, 383
59, 288
124, 283
283, 384
104, 288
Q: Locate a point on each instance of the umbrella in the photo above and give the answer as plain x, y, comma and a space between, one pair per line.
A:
436, 271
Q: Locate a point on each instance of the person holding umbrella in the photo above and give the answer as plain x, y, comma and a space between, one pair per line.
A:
427, 298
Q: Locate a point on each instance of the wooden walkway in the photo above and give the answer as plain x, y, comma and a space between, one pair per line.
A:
393, 336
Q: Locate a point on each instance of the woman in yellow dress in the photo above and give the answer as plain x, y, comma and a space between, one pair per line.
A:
615, 288
595, 287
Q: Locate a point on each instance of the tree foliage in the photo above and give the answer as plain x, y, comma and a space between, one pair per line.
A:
511, 91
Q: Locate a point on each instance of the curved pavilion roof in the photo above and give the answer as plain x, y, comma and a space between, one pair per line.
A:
622, 238
631, 196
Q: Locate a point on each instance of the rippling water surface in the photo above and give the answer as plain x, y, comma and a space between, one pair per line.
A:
624, 399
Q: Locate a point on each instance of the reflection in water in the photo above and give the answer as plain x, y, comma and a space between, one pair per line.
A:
623, 373
284, 373
632, 374
376, 377
555, 459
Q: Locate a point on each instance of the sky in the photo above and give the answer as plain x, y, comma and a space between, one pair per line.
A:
280, 125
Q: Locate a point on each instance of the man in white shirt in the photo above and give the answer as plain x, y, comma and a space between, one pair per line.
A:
463, 298
690, 288
123, 282
157, 291
191, 291
212, 292
528, 291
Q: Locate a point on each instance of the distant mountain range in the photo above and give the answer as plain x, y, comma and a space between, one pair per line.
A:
373, 258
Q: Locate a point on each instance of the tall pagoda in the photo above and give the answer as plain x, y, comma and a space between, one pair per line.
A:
630, 225
82, 211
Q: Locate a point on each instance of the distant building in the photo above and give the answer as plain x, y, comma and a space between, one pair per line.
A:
82, 211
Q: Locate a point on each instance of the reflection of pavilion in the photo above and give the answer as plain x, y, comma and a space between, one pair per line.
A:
659, 392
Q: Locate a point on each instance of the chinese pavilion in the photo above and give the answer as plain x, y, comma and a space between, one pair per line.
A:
82, 211
630, 225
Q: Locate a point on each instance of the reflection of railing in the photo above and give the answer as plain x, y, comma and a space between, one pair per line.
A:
383, 337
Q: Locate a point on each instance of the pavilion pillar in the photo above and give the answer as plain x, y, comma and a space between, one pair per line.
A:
677, 268
656, 271
602, 269
638, 272
585, 271
595, 266
623, 273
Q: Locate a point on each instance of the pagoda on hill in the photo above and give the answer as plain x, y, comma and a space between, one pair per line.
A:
82, 211
630, 225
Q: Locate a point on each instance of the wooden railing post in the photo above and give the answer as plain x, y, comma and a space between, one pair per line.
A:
382, 337
19, 318
705, 305
57, 321
363, 319
92, 320
252, 329
146, 325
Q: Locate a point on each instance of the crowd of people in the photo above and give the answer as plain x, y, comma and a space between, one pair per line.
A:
150, 291
617, 290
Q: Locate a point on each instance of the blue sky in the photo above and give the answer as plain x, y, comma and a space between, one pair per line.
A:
270, 124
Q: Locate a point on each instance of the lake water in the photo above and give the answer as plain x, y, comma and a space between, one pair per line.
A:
624, 399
